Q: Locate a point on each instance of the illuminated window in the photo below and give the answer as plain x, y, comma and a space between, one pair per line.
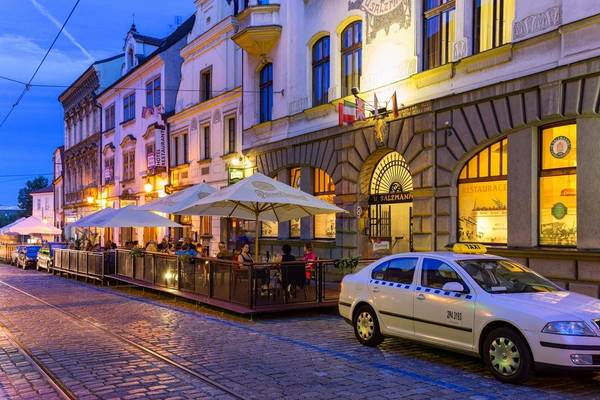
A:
324, 190
558, 186
320, 71
205, 226
351, 57
438, 32
482, 196
266, 92
129, 165
270, 228
492, 20
295, 175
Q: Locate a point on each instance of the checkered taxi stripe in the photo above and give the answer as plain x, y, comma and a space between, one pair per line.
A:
422, 289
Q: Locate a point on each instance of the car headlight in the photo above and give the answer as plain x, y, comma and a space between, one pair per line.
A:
571, 328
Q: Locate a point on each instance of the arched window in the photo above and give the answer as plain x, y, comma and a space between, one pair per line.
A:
482, 196
351, 57
320, 71
266, 92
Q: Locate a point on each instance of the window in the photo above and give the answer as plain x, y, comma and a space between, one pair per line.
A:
153, 93
129, 107
435, 274
109, 117
266, 92
179, 149
206, 84
205, 226
130, 57
558, 186
400, 270
39, 204
295, 175
205, 145
150, 156
492, 20
483, 195
324, 190
438, 32
129, 165
46, 204
320, 71
109, 169
230, 143
351, 57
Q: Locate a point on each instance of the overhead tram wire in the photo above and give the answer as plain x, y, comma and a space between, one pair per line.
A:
28, 84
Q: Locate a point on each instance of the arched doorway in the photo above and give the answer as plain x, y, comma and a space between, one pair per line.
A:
390, 204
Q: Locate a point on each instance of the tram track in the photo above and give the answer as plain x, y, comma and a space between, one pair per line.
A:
61, 388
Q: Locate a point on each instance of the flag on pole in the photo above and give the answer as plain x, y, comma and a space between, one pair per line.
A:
360, 109
395, 105
346, 112
375, 106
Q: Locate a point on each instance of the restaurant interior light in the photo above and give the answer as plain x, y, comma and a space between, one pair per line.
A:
148, 187
90, 200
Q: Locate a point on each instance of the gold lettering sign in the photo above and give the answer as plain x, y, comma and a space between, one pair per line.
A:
385, 198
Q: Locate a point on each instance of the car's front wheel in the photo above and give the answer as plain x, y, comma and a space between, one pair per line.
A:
507, 356
366, 326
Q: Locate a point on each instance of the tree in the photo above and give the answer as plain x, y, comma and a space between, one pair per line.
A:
24, 199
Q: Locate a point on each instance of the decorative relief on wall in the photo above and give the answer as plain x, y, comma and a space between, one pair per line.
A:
460, 49
533, 24
382, 14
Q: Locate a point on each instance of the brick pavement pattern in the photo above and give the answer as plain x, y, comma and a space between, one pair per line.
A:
311, 356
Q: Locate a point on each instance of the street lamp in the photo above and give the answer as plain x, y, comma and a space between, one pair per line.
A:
148, 187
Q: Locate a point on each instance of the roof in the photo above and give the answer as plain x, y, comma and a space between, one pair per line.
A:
47, 189
99, 67
147, 39
167, 42
9, 208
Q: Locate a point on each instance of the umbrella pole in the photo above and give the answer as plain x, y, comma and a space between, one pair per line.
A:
256, 238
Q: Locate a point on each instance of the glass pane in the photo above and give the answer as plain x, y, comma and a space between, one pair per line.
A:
495, 159
482, 212
357, 32
484, 162
558, 210
504, 146
270, 229
325, 45
559, 147
325, 223
463, 173
295, 228
473, 171
401, 270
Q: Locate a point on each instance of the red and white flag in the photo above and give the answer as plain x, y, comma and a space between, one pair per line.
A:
360, 109
395, 105
346, 112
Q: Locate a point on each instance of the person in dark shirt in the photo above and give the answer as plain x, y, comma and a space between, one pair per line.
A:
287, 253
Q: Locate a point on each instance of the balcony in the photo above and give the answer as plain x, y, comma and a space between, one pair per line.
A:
80, 197
259, 29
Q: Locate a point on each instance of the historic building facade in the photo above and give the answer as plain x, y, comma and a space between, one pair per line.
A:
497, 110
58, 187
205, 132
82, 141
135, 133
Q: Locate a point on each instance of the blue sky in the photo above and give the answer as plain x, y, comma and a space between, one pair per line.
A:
95, 31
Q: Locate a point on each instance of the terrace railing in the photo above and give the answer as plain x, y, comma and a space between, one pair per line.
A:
250, 285
88, 264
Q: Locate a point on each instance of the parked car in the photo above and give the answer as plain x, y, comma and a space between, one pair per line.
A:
28, 256
14, 256
479, 304
45, 256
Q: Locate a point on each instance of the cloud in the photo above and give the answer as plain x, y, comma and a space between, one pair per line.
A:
44, 11
20, 55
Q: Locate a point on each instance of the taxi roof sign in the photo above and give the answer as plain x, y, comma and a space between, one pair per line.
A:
469, 248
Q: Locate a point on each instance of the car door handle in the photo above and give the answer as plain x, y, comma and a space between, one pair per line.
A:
421, 296
375, 289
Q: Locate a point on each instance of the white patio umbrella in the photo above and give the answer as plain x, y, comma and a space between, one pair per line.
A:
87, 221
261, 198
5, 229
32, 225
127, 217
180, 200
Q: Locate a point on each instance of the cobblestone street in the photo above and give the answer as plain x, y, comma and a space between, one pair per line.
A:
105, 343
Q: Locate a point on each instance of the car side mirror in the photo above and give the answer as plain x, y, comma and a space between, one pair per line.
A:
453, 287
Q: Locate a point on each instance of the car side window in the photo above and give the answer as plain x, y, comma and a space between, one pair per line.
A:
401, 270
435, 274
379, 271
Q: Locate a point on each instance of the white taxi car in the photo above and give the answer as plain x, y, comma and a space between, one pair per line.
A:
474, 303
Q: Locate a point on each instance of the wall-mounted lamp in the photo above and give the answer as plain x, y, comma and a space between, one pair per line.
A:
90, 200
148, 187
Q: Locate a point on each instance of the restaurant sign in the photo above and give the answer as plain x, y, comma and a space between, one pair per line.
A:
388, 198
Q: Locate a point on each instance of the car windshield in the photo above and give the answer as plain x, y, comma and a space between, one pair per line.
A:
503, 276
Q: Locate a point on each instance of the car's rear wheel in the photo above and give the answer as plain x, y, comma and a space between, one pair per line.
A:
366, 326
507, 355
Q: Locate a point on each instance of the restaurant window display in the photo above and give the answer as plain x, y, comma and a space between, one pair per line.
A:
482, 196
324, 190
558, 186
295, 176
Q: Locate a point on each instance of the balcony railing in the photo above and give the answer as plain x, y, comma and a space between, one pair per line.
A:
81, 196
